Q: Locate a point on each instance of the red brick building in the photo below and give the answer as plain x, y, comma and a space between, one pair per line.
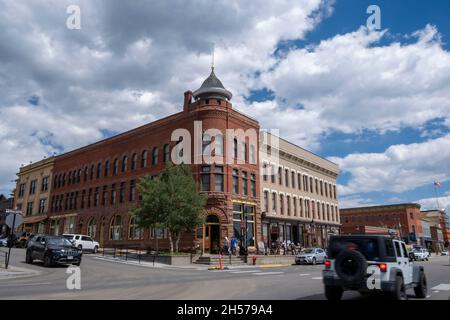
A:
402, 218
94, 187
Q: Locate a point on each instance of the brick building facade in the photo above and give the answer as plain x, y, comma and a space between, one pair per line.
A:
402, 218
94, 187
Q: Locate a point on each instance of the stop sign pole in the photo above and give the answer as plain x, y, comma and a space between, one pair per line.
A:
12, 226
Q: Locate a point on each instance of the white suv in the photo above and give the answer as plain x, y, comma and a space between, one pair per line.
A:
369, 264
83, 242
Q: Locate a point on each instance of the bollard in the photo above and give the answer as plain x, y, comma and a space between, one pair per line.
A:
254, 260
220, 261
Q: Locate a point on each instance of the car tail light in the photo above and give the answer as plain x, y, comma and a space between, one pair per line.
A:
383, 267
327, 264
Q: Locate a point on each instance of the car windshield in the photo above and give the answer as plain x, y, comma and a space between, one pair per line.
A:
307, 251
367, 246
58, 241
68, 237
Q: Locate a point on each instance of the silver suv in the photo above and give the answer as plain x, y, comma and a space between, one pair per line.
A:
311, 256
370, 264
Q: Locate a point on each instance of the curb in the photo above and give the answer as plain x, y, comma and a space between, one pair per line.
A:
18, 273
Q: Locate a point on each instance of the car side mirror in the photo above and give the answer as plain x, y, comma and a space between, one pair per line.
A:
43, 243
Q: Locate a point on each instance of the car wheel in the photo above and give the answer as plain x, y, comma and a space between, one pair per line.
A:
313, 261
48, 261
28, 258
78, 263
333, 293
421, 290
399, 291
95, 249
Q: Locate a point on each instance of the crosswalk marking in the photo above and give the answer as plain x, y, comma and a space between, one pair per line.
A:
441, 287
316, 278
304, 274
246, 271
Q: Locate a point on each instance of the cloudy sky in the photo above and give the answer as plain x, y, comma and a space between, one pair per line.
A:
377, 102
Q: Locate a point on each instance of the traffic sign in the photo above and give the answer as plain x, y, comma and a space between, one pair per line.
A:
14, 219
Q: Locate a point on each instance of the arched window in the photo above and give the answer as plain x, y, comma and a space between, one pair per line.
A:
92, 228
115, 229
218, 148
144, 159
235, 148
86, 173
134, 232
133, 161
107, 168
166, 151
124, 163
99, 169
155, 156
116, 167
206, 145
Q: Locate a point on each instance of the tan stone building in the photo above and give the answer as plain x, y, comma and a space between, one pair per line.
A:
32, 194
298, 194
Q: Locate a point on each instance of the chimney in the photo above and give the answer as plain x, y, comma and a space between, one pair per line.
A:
187, 100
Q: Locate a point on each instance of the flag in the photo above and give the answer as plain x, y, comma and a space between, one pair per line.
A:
437, 184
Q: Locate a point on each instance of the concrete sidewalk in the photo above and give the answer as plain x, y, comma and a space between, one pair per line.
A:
198, 267
15, 272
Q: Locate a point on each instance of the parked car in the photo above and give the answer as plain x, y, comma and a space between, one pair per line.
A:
347, 268
52, 250
21, 239
420, 254
311, 256
83, 242
3, 241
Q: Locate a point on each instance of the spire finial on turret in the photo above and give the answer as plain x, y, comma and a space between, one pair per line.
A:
212, 56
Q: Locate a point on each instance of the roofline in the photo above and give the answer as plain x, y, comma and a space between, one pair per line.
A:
119, 135
412, 204
295, 145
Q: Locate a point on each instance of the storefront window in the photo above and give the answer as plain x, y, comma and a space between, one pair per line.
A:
244, 213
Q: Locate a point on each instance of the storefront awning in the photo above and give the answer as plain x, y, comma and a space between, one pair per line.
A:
34, 219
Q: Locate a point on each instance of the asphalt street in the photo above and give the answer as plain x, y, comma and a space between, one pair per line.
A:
101, 279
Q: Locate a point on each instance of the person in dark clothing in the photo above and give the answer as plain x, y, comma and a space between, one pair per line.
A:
233, 246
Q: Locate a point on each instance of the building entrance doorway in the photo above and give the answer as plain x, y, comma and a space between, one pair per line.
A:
211, 235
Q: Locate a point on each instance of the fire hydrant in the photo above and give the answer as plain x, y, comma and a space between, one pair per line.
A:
254, 260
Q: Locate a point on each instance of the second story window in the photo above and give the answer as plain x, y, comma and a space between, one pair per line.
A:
266, 201
104, 195
122, 192
44, 186
235, 181
96, 197
253, 184
92, 172
205, 178
113, 194
86, 173
280, 179
274, 201
33, 187
286, 177
292, 179
244, 183
132, 195
29, 208
272, 173
218, 178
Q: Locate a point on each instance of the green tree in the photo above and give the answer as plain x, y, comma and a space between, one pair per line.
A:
170, 201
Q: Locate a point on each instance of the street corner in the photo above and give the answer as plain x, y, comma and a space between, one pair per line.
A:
15, 272
275, 265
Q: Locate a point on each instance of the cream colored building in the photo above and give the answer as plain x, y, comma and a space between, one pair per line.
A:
299, 200
32, 194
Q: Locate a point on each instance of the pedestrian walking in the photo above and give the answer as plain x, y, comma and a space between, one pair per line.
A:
226, 246
233, 246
